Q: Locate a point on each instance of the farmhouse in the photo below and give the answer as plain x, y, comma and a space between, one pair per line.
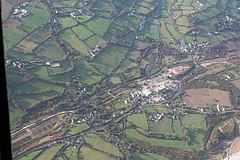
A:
54, 65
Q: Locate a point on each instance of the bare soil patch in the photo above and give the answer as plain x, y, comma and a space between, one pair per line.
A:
204, 97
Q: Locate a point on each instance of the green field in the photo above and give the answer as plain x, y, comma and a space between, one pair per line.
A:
194, 121
100, 144
63, 68
30, 155
15, 114
91, 154
71, 152
132, 134
120, 103
139, 120
93, 40
65, 77
151, 30
82, 32
177, 129
126, 64
37, 85
155, 109
11, 37
163, 126
78, 128
71, 39
149, 156
196, 140
67, 22
109, 59
39, 15
40, 34
87, 73
26, 100
49, 153
50, 51
68, 2
97, 25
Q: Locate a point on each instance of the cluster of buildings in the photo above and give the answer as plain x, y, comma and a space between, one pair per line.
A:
94, 51
142, 23
87, 118
156, 88
20, 10
20, 13
53, 65
154, 117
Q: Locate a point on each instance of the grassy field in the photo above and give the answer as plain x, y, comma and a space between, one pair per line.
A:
30, 155
78, 128
27, 100
138, 120
168, 60
49, 153
40, 34
65, 77
65, 67
15, 114
87, 73
39, 15
93, 40
71, 39
151, 30
177, 129
131, 133
164, 126
102, 145
194, 121
97, 25
91, 154
71, 152
68, 3
6, 9
126, 64
149, 156
196, 140
109, 58
120, 103
50, 51
67, 22
82, 32
37, 85
26, 46
155, 109
12, 37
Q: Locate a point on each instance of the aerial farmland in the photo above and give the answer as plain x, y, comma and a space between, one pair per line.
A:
123, 79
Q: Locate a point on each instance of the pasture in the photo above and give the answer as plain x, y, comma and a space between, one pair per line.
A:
50, 51
91, 154
70, 152
149, 156
50, 152
97, 25
139, 120
30, 155
194, 121
155, 109
162, 127
78, 128
87, 73
109, 58
99, 144
133, 134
